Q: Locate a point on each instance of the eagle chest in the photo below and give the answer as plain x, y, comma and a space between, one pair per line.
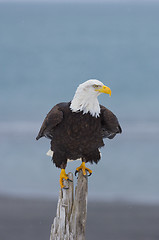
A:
82, 126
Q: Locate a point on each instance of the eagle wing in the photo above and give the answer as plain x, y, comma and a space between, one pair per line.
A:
53, 118
110, 124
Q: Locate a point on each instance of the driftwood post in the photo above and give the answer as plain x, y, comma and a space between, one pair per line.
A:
70, 220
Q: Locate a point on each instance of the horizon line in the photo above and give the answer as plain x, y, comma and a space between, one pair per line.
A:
79, 1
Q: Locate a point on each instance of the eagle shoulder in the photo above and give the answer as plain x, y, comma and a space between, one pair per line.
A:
110, 124
53, 118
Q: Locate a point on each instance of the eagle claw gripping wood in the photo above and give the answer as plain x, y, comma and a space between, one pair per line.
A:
84, 169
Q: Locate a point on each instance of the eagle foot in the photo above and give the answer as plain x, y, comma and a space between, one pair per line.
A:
84, 169
63, 175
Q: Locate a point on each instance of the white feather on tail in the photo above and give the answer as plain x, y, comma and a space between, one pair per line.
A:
50, 154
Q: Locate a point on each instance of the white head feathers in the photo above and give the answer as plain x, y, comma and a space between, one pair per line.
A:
85, 98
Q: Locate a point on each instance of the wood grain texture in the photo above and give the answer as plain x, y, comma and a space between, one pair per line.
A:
70, 220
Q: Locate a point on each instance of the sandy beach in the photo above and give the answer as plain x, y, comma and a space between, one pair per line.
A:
23, 219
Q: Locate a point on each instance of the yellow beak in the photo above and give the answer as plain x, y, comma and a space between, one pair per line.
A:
104, 89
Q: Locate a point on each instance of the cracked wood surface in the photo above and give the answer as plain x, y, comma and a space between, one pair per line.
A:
70, 220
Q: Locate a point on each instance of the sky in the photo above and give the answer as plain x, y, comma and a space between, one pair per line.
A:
86, 1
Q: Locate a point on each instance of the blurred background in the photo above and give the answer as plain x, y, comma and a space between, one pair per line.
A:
46, 50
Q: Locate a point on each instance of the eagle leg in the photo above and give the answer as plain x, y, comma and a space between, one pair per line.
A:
63, 175
84, 169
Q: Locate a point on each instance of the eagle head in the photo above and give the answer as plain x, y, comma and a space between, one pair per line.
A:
85, 98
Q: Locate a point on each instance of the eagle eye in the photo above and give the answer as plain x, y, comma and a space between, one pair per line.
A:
95, 86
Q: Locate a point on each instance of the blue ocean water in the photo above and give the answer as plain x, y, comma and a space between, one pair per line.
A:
46, 51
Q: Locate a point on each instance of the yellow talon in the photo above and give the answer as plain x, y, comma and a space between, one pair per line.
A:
84, 169
63, 175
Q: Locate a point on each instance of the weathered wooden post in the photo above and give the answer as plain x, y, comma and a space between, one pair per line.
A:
70, 220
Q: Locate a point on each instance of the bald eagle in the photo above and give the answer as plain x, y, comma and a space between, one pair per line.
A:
77, 128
